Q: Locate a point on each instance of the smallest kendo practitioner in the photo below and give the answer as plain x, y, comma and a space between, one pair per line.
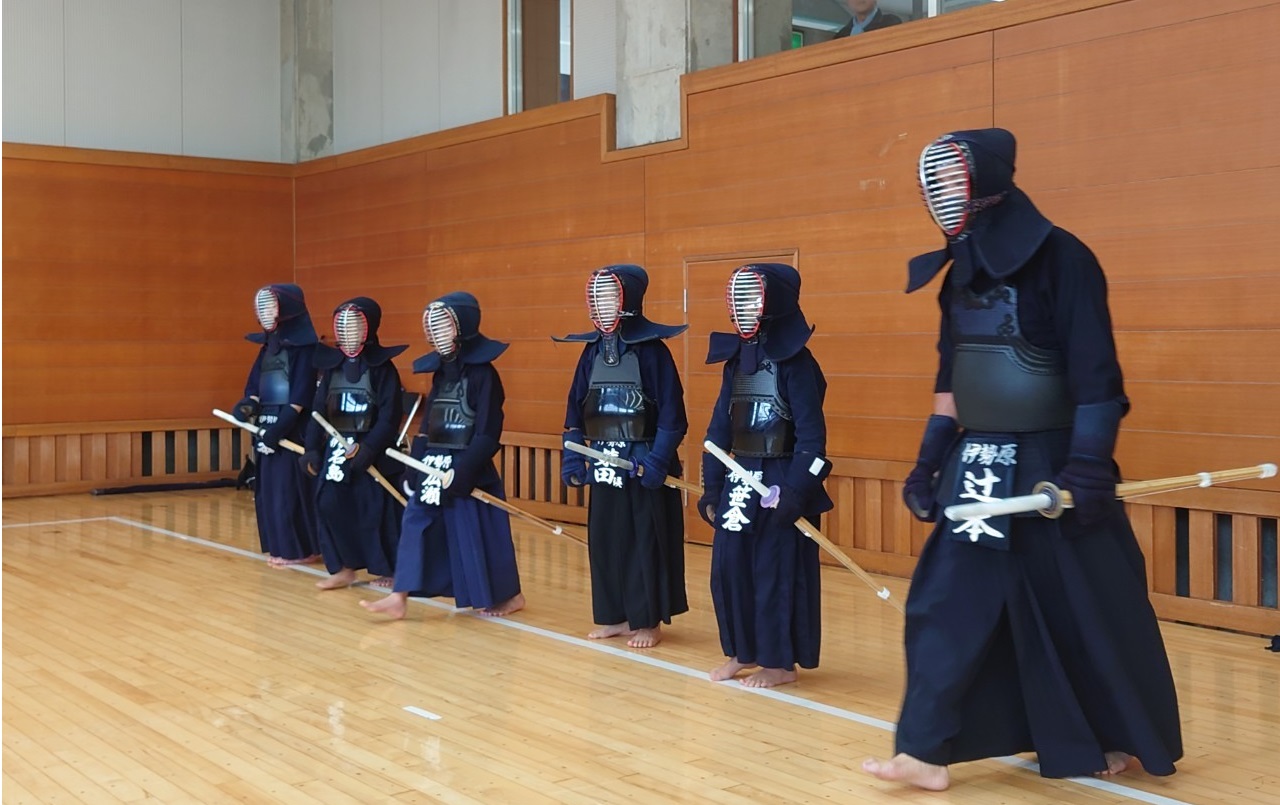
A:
451, 543
1023, 633
627, 400
358, 392
277, 398
765, 574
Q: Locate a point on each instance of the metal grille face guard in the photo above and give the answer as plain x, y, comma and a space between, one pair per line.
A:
267, 307
350, 329
946, 177
604, 301
440, 324
744, 296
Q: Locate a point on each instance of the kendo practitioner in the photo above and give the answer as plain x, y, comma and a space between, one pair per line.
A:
765, 581
1023, 633
626, 399
451, 543
277, 398
358, 521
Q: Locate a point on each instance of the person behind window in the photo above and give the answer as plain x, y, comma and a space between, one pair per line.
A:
867, 16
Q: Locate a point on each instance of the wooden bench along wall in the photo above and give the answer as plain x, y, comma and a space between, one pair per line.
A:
128, 277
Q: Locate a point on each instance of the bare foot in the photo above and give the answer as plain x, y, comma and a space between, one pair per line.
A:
646, 638
513, 604
769, 677
610, 631
385, 582
343, 578
306, 560
1117, 763
906, 769
275, 561
730, 669
394, 605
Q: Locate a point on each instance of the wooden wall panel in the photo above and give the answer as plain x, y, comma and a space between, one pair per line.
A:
519, 220
129, 280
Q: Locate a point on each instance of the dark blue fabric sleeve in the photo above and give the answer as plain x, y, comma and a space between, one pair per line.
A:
578, 389
1082, 320
252, 382
942, 383
386, 387
806, 390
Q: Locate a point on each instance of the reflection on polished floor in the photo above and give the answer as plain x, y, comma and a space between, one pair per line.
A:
151, 655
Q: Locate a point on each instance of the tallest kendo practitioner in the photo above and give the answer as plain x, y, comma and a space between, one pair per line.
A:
1023, 633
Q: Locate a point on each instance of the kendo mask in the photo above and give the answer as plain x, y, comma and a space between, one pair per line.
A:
615, 293
266, 304
744, 296
451, 324
963, 173
277, 304
350, 328
440, 324
764, 307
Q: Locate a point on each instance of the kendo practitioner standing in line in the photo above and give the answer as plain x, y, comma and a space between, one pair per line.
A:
358, 392
1023, 633
277, 398
451, 543
626, 399
765, 581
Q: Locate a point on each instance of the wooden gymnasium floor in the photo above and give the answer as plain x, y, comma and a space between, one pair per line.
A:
150, 655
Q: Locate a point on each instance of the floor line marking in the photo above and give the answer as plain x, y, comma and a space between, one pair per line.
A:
827, 709
58, 522
418, 711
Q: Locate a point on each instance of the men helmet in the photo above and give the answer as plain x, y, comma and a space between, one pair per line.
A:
266, 304
605, 300
946, 184
744, 296
440, 324
350, 329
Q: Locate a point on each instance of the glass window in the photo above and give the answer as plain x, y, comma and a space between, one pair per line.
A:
768, 26
539, 53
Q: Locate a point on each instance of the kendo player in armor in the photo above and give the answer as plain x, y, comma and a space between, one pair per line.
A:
1023, 633
277, 398
451, 543
765, 582
358, 392
626, 399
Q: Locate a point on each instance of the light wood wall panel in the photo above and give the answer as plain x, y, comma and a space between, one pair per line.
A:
519, 220
129, 281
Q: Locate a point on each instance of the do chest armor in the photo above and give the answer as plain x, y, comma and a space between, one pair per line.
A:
616, 408
1001, 381
350, 405
273, 379
451, 422
761, 419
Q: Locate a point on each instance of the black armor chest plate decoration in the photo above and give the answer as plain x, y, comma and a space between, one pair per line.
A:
761, 419
616, 408
350, 405
1001, 381
273, 378
451, 421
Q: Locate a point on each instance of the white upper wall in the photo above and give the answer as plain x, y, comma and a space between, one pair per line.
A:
407, 67
190, 77
202, 77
